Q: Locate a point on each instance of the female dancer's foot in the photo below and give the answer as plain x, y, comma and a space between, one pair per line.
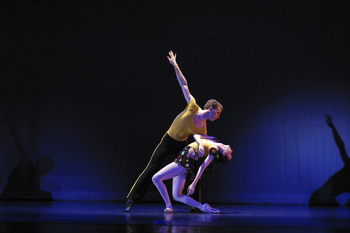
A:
168, 210
207, 209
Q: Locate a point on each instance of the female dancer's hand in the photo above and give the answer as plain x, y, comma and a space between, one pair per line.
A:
190, 189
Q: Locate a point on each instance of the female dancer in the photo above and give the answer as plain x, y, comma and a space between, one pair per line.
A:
183, 167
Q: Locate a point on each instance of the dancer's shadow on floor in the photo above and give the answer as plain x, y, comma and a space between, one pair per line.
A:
339, 183
24, 181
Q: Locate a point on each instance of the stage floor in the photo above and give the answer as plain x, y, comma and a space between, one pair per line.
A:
60, 216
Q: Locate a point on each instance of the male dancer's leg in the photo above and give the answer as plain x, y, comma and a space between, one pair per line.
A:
144, 181
166, 147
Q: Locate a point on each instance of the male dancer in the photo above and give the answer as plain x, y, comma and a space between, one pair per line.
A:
191, 121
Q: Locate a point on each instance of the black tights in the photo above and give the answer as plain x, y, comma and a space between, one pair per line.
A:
167, 146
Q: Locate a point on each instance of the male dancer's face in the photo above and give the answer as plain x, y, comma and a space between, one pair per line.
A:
215, 113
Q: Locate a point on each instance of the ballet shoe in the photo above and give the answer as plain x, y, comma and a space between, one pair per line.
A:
168, 210
207, 209
215, 211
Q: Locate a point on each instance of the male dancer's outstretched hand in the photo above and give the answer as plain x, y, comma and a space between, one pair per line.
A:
172, 58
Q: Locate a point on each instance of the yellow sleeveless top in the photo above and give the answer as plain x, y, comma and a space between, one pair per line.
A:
183, 125
206, 144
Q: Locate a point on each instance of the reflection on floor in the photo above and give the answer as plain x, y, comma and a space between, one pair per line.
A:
58, 216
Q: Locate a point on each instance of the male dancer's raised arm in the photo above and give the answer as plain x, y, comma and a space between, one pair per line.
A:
186, 91
180, 77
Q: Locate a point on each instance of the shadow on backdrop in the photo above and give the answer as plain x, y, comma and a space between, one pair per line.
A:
24, 181
339, 183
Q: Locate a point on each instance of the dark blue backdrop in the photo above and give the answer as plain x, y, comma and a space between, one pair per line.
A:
91, 87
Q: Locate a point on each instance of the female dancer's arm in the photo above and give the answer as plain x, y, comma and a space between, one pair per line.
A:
201, 169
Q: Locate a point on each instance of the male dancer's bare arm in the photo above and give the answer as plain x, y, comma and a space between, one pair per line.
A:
180, 77
198, 137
